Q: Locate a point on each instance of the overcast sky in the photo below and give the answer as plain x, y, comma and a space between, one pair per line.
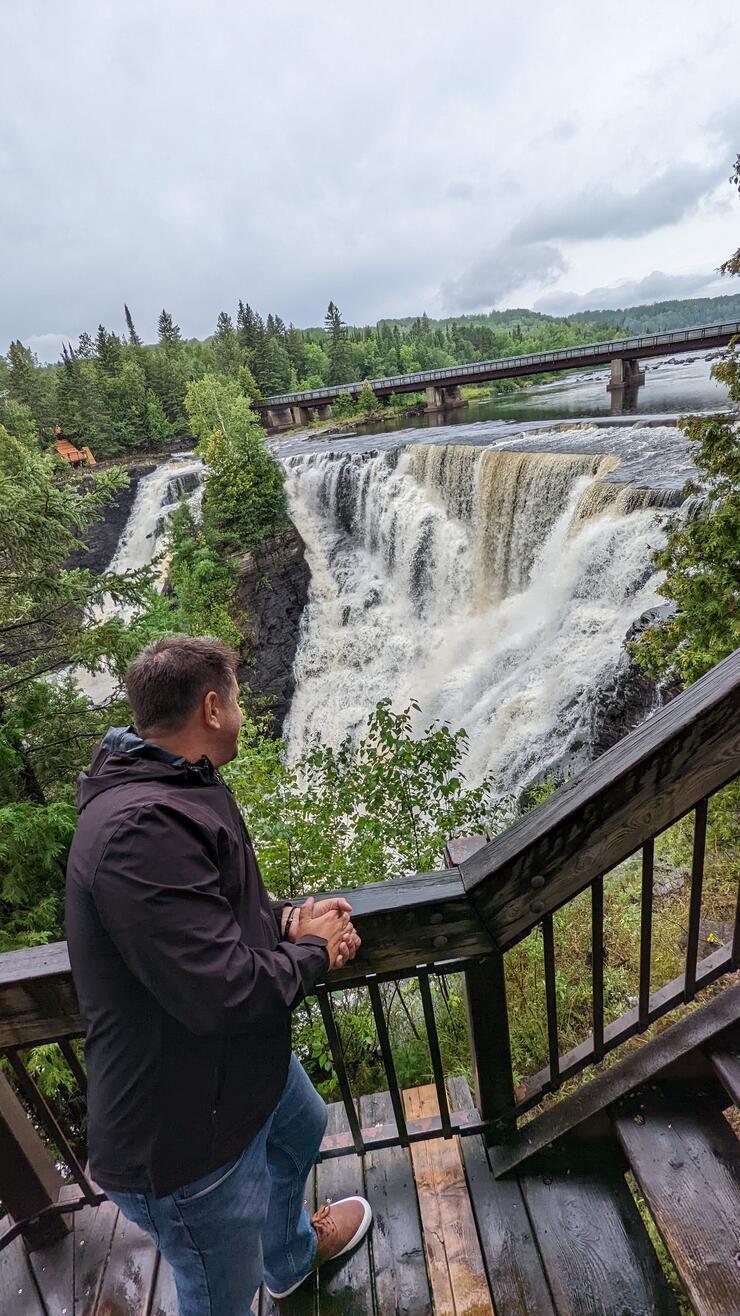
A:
397, 157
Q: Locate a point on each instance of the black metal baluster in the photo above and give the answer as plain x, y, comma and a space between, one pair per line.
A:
736, 932
335, 1046
548, 946
646, 933
697, 880
434, 1051
65, 1046
390, 1068
48, 1118
597, 964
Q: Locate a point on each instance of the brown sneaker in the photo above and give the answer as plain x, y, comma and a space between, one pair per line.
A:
339, 1227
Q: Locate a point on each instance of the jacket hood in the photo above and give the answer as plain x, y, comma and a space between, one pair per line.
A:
123, 757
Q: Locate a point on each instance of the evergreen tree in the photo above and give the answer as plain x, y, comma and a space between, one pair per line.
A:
85, 346
340, 360
226, 347
169, 332
133, 337
246, 324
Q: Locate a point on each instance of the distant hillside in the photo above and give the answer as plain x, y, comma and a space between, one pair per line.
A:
662, 316
649, 319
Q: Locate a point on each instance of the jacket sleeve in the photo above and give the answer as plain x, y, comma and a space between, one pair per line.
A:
157, 893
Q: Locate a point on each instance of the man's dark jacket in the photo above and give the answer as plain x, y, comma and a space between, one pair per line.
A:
185, 984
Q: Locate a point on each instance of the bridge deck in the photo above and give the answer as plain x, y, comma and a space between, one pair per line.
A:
700, 338
561, 1239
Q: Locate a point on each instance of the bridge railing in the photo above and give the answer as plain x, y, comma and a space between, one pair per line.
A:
423, 929
505, 365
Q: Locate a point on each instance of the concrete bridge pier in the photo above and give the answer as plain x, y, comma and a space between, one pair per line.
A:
443, 397
626, 373
301, 415
323, 411
624, 384
279, 418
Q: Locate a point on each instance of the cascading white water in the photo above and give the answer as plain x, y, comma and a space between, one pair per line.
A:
142, 540
495, 588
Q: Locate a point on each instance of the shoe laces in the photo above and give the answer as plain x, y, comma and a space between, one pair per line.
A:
323, 1221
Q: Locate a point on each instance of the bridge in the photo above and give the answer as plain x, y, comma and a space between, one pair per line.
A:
442, 387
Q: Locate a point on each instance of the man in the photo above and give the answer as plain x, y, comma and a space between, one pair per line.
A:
202, 1125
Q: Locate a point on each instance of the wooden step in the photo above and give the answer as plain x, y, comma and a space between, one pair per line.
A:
598, 1093
456, 1267
570, 1241
686, 1159
724, 1053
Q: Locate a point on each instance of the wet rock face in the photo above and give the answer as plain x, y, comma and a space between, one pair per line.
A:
272, 593
628, 696
101, 538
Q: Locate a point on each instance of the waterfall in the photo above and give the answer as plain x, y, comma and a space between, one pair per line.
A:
493, 587
157, 497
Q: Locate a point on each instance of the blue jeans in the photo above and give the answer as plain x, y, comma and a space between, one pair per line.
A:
247, 1219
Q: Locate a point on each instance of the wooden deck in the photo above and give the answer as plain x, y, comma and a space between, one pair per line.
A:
563, 1238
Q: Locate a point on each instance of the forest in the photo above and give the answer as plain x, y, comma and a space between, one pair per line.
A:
117, 395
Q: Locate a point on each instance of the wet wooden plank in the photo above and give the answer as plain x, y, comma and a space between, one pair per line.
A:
129, 1276
399, 1261
595, 1248
53, 1268
687, 1162
18, 1293
94, 1227
345, 1285
724, 1053
454, 1256
516, 1276
164, 1301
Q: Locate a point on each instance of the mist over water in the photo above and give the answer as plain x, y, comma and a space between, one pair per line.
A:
494, 587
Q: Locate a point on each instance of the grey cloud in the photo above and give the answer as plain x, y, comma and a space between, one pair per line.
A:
460, 190
500, 272
655, 287
610, 213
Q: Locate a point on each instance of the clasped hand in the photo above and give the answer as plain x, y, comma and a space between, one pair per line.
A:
329, 919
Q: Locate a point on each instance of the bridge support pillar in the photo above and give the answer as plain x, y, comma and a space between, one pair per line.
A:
626, 373
301, 415
624, 384
323, 411
443, 397
279, 418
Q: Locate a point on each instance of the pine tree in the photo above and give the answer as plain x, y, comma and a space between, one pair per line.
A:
85, 346
169, 332
340, 359
133, 337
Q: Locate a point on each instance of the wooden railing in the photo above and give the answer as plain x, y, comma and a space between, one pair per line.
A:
463, 919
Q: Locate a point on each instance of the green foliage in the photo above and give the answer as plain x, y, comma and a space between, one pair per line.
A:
701, 556
375, 808
367, 402
245, 500
202, 582
50, 623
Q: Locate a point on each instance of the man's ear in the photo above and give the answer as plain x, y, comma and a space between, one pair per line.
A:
212, 710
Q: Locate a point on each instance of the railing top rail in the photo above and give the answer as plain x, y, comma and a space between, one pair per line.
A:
673, 337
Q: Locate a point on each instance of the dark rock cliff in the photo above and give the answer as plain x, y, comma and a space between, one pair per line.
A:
101, 538
271, 594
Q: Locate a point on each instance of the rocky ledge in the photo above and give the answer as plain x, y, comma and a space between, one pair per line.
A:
271, 594
101, 538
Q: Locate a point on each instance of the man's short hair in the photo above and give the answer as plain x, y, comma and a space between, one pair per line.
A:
170, 677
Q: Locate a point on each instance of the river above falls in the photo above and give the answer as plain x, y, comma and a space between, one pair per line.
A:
571, 414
